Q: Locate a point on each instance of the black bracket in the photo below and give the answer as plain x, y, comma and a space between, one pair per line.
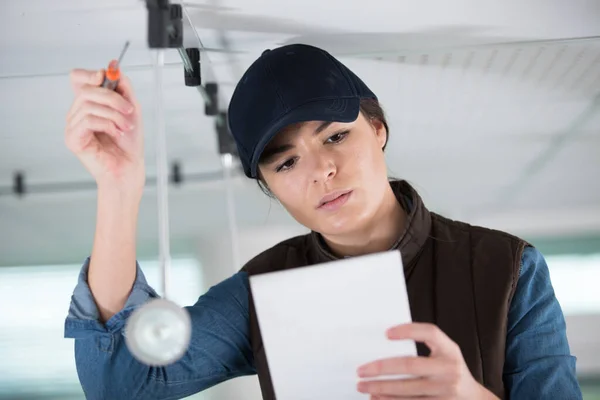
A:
193, 78
226, 142
19, 184
212, 107
165, 24
165, 30
176, 176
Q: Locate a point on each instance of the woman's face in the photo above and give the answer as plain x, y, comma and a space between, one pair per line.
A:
331, 177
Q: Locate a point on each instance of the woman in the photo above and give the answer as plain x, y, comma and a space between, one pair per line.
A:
313, 135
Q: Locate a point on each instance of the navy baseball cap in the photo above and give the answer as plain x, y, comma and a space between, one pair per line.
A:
286, 85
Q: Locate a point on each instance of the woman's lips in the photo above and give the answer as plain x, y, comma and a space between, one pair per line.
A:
336, 203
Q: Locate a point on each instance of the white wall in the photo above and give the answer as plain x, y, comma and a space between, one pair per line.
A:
583, 332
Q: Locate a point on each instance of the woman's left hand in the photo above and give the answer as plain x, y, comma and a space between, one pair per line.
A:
442, 375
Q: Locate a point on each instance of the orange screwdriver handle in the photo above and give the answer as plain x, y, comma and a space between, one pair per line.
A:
112, 75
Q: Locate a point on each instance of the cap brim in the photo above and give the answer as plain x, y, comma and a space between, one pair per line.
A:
336, 110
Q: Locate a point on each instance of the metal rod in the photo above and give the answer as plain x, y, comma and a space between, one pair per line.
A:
123, 52
202, 48
208, 64
187, 64
162, 177
129, 68
227, 161
204, 95
81, 186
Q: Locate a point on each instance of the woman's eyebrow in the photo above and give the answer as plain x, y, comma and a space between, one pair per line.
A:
322, 127
269, 154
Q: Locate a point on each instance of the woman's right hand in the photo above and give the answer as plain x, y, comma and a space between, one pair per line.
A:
104, 130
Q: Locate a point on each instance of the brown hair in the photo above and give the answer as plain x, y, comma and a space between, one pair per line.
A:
371, 109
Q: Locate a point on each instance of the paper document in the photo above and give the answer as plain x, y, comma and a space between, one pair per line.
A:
320, 323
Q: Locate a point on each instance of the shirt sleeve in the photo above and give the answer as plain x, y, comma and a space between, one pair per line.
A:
83, 307
539, 364
219, 348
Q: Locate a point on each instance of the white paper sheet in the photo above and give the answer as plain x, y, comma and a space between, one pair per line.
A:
320, 323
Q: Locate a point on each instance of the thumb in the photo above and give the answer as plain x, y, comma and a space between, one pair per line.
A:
83, 77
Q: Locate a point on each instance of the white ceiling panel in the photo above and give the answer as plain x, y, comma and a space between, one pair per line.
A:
570, 179
538, 18
478, 94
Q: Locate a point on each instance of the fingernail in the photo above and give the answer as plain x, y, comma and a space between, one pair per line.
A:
362, 370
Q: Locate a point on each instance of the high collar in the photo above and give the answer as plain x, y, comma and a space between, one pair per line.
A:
415, 233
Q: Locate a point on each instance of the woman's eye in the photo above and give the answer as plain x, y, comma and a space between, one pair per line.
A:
287, 165
338, 137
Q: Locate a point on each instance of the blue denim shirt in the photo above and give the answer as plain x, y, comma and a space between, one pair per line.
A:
538, 361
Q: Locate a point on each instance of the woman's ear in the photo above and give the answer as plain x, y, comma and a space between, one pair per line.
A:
380, 131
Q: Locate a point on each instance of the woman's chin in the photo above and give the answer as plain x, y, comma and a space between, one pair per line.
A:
341, 224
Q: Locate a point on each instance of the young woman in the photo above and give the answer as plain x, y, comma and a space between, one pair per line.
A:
313, 135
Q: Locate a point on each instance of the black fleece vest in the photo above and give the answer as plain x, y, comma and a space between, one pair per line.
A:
459, 277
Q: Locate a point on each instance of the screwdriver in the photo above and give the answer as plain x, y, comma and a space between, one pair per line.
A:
113, 72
